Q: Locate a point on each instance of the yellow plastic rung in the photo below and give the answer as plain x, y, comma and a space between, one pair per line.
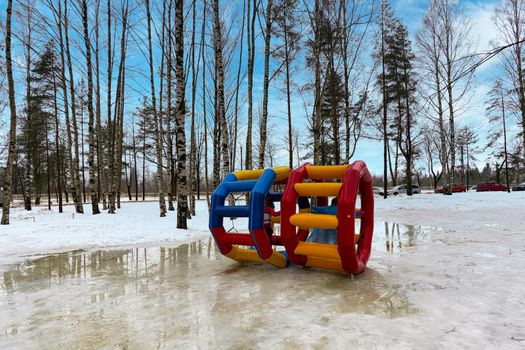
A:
241, 254
250, 255
328, 251
248, 174
330, 264
326, 171
314, 221
318, 189
276, 219
277, 259
282, 172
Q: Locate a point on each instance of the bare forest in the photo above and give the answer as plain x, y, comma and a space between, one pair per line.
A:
108, 101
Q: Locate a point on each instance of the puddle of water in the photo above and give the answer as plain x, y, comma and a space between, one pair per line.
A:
395, 238
185, 295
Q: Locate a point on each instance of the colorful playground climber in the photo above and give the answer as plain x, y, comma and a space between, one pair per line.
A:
312, 233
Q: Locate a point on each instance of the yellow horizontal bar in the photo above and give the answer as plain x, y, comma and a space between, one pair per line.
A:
326, 171
248, 174
329, 264
320, 250
282, 172
314, 221
318, 189
241, 254
276, 219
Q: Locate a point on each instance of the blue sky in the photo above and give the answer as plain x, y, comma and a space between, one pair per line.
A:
411, 13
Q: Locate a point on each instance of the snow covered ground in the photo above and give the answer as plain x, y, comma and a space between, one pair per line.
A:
41, 231
452, 280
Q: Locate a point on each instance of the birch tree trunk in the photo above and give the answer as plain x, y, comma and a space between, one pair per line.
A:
220, 87
264, 119
317, 67
57, 146
182, 189
69, 153
76, 159
386, 152
169, 69
205, 117
100, 156
12, 125
107, 172
119, 125
251, 58
158, 135
91, 122
193, 143
236, 107
29, 126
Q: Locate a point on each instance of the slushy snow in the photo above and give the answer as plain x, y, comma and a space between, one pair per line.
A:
463, 281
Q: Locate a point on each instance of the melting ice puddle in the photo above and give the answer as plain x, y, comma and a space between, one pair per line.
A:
396, 237
185, 295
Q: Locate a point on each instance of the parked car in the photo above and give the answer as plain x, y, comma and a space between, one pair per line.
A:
378, 190
403, 189
490, 186
520, 187
454, 188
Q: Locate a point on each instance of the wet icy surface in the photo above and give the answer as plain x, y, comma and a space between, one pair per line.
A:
192, 297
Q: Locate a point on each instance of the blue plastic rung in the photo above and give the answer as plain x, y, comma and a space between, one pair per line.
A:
240, 186
233, 211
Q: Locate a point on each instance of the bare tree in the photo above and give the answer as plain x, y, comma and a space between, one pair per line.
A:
221, 110
59, 16
204, 116
497, 118
193, 141
158, 134
510, 20
456, 46
91, 126
264, 117
317, 68
98, 127
251, 58
169, 70
237, 87
12, 125
182, 190
429, 58
76, 159
384, 10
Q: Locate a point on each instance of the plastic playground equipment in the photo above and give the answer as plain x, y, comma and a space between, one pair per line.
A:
305, 185
258, 183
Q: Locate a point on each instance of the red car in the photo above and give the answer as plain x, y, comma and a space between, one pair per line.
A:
452, 188
490, 186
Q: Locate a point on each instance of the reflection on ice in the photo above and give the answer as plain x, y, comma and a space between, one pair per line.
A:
395, 237
185, 295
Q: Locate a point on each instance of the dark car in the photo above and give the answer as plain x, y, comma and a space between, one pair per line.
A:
490, 187
451, 188
520, 187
